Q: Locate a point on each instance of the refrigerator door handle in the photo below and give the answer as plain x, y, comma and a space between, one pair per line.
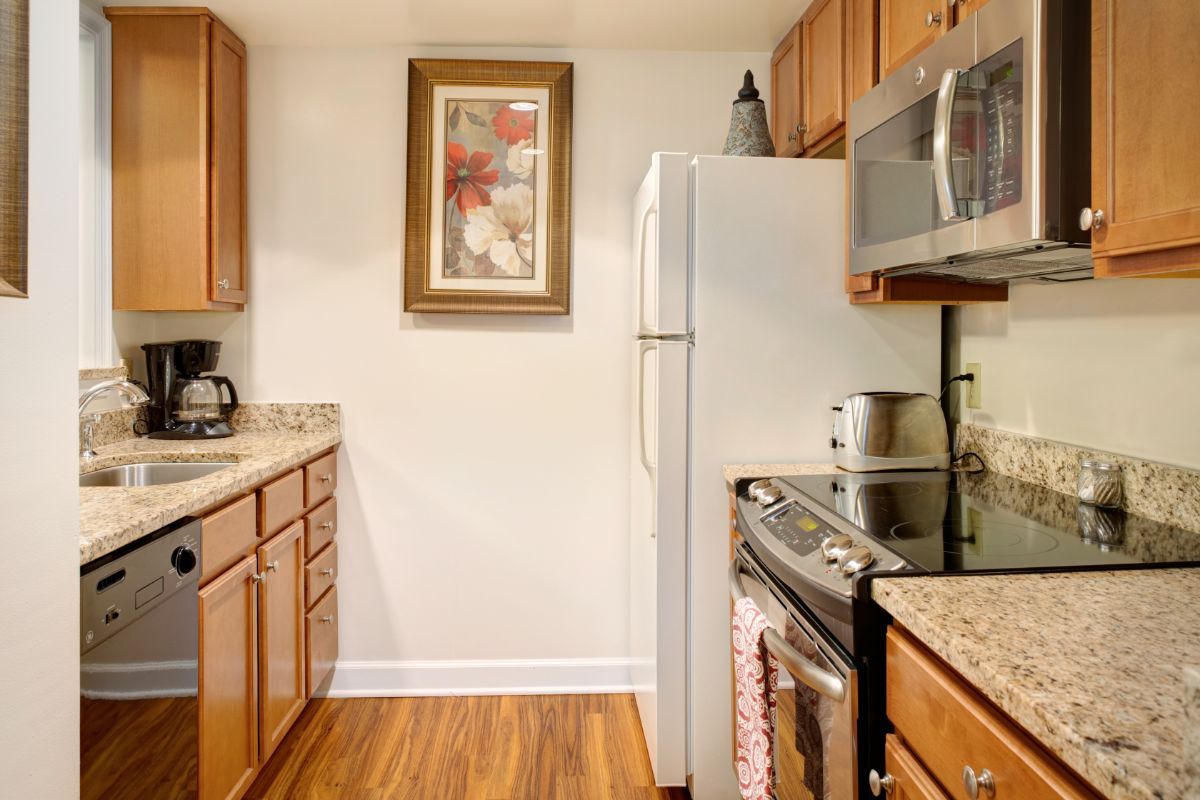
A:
650, 211
644, 347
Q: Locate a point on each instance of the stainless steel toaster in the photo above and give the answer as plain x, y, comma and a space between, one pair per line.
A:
876, 431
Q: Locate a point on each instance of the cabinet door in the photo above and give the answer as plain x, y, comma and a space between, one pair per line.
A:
906, 27
824, 55
965, 8
1145, 137
229, 683
228, 168
862, 48
786, 106
910, 781
281, 635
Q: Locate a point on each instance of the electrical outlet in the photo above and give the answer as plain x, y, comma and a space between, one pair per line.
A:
975, 387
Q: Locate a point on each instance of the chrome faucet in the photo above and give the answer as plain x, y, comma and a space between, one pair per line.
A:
134, 393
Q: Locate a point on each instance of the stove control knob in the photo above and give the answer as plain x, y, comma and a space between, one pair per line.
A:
833, 547
769, 496
856, 559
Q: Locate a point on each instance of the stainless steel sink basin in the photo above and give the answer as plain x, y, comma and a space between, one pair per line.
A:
151, 473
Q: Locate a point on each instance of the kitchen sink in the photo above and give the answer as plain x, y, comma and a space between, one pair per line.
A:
154, 473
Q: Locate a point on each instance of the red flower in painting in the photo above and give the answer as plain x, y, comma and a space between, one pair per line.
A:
467, 177
513, 127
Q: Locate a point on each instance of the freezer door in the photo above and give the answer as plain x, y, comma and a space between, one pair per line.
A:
660, 254
658, 551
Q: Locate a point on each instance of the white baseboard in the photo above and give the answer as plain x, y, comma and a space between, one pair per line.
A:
468, 677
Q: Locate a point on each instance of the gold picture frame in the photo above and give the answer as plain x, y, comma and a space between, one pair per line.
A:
488, 223
14, 148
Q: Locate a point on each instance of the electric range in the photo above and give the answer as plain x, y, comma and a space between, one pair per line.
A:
812, 544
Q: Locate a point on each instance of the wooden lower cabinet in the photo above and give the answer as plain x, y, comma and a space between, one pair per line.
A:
948, 726
908, 779
281, 635
229, 751
322, 627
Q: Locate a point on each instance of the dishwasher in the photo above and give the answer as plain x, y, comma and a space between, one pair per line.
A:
138, 668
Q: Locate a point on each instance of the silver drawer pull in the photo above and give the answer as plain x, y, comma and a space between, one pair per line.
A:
327, 572
328, 525
973, 783
327, 477
880, 784
273, 566
223, 283
326, 619
817, 679
258, 577
933, 18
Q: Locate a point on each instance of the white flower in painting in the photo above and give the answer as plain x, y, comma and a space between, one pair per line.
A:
520, 164
503, 230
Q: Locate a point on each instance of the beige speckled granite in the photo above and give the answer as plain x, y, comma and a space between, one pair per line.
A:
272, 438
1089, 663
736, 472
1160, 492
1191, 734
115, 425
103, 373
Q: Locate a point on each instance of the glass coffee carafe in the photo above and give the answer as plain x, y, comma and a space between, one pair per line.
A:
199, 399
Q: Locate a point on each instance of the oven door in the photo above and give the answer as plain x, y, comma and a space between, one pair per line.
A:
816, 729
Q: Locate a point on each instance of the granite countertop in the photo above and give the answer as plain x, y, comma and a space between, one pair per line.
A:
737, 472
110, 517
1092, 664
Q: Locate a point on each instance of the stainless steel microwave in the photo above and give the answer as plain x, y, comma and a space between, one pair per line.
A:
973, 161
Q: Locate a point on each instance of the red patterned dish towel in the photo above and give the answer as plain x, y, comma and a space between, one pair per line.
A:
755, 680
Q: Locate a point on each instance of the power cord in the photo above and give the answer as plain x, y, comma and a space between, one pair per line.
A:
966, 376
977, 457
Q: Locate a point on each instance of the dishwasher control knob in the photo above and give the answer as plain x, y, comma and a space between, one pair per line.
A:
855, 560
833, 547
183, 559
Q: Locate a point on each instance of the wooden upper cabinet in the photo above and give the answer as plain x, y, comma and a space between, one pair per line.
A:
179, 161
786, 101
229, 683
906, 27
823, 46
1145, 138
965, 8
909, 780
862, 48
281, 631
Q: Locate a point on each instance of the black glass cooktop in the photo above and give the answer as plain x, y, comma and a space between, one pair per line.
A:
965, 522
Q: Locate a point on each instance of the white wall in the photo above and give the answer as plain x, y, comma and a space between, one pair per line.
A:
1112, 364
39, 629
482, 504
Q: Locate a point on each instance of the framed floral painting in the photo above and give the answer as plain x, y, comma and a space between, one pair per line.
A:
489, 187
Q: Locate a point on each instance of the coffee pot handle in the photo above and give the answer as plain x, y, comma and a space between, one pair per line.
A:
221, 380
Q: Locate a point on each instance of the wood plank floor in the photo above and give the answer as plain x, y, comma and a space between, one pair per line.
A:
559, 747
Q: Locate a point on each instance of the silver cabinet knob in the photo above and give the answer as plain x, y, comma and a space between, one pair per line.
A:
973, 783
223, 283
792, 136
327, 477
327, 525
856, 559
326, 620
933, 18
880, 784
835, 546
328, 572
273, 566
258, 578
1091, 218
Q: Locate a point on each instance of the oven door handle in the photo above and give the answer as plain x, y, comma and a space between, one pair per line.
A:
828, 684
943, 167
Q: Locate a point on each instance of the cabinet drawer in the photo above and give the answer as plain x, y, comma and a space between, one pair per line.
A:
280, 502
320, 479
320, 574
228, 536
322, 643
320, 526
949, 727
910, 781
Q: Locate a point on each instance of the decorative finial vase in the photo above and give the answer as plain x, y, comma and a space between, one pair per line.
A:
748, 131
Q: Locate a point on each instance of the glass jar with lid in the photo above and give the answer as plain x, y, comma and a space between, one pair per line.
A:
1100, 483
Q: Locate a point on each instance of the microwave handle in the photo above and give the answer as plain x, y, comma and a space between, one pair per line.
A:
808, 673
943, 172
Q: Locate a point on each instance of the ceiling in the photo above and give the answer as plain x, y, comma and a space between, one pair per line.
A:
730, 25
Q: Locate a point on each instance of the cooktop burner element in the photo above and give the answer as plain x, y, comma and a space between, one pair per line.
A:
986, 522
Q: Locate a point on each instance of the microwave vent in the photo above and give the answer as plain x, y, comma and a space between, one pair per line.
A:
1069, 263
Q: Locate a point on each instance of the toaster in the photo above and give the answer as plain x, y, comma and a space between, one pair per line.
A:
876, 431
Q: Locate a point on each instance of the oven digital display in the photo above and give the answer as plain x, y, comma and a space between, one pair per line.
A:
798, 529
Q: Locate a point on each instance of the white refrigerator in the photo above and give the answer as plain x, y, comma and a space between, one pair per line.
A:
743, 341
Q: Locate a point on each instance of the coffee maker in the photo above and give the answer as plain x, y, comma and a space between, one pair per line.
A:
185, 404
